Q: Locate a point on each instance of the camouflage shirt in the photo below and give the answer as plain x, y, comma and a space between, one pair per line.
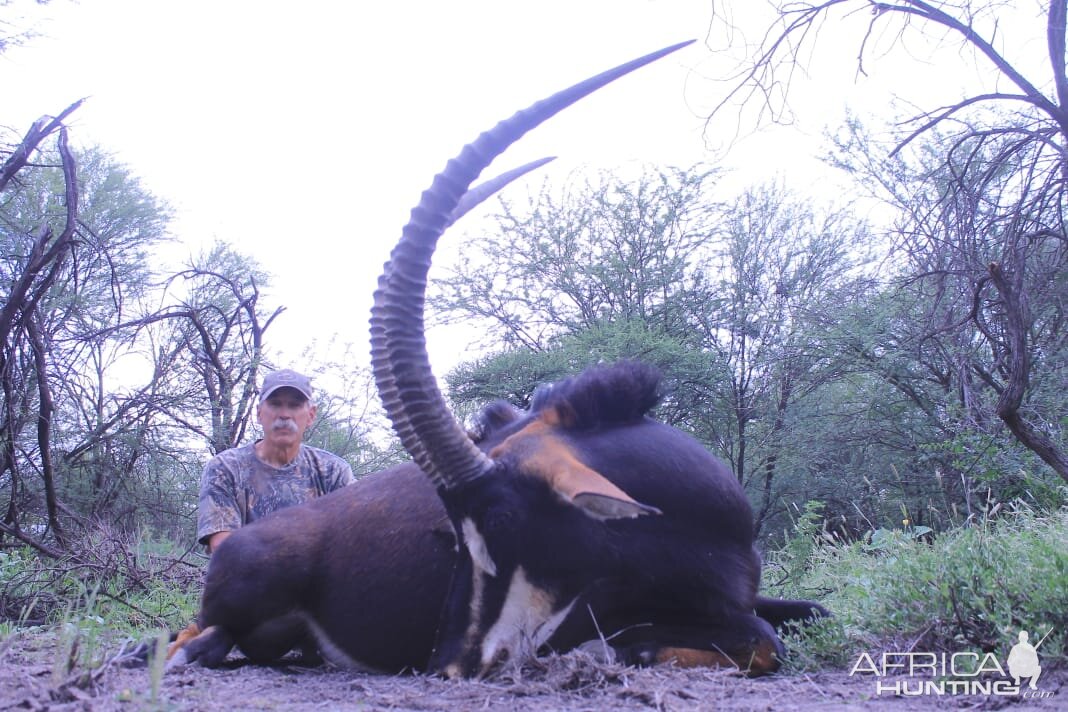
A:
237, 487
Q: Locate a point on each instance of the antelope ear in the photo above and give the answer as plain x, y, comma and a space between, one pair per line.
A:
603, 507
595, 495
541, 455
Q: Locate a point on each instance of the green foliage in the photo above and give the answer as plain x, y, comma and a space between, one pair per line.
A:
101, 452
1002, 467
974, 205
97, 603
110, 590
513, 375
219, 345
797, 554
732, 301
510, 375
120, 225
972, 587
603, 250
350, 421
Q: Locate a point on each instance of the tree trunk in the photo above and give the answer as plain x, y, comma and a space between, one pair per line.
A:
45, 408
1018, 367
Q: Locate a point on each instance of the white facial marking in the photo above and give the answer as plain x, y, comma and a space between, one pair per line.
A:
526, 621
477, 546
475, 543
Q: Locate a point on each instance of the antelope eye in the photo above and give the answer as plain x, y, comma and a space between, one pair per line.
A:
500, 519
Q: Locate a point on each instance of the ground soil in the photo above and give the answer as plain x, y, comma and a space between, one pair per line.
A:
29, 679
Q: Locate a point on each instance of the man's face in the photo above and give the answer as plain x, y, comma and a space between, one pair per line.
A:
285, 415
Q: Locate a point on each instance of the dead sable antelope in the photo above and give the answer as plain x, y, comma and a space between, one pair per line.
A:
581, 518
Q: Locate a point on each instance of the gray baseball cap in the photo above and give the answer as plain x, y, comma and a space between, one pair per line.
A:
285, 378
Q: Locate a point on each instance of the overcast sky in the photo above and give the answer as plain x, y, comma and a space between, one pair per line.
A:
303, 132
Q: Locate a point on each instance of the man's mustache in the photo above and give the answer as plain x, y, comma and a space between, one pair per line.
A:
284, 424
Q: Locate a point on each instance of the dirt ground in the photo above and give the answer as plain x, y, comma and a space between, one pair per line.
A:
575, 681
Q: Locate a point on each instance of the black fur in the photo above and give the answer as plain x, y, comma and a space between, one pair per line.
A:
602, 396
493, 418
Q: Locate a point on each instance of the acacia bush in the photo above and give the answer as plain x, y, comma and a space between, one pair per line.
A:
972, 587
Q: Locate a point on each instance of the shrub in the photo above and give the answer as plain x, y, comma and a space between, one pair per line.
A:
112, 587
973, 587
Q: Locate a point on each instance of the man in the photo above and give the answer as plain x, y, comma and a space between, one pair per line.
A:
243, 484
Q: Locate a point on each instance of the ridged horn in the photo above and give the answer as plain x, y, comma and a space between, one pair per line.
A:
399, 360
483, 191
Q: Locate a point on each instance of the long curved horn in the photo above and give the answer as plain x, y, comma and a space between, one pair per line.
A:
469, 201
399, 360
484, 191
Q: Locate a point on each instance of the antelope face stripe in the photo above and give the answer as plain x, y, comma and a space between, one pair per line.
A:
528, 617
476, 546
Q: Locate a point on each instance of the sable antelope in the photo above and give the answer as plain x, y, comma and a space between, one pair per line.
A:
580, 517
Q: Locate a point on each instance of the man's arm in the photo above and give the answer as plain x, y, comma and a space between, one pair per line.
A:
219, 511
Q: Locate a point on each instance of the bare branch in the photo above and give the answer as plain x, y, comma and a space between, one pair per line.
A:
41, 129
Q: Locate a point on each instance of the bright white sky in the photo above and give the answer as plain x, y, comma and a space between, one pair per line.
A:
303, 132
